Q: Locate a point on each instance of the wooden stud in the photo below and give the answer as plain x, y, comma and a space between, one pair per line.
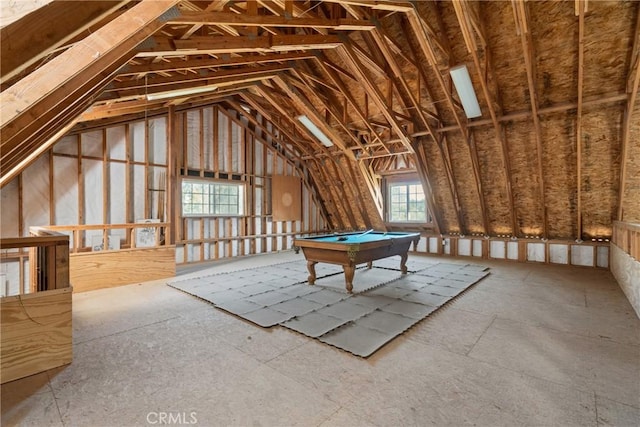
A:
527, 46
81, 191
581, 12
633, 83
464, 20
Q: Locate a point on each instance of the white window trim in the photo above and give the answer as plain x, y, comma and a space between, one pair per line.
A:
404, 180
243, 197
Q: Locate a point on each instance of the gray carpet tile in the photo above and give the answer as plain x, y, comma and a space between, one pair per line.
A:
357, 339
267, 317
388, 323
269, 298
426, 298
326, 296
314, 324
297, 306
409, 309
385, 303
239, 307
346, 310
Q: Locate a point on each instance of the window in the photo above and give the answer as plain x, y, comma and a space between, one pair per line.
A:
206, 198
406, 202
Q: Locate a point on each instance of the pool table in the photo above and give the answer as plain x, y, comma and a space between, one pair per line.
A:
351, 249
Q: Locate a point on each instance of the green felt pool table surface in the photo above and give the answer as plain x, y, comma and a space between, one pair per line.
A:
358, 237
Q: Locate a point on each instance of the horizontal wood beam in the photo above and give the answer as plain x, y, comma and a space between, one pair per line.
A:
233, 19
219, 45
29, 40
199, 64
42, 99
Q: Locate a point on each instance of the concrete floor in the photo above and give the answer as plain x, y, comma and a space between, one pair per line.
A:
529, 345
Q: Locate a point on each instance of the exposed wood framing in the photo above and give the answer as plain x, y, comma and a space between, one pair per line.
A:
520, 10
70, 81
581, 6
419, 28
348, 55
253, 20
467, 25
53, 27
633, 83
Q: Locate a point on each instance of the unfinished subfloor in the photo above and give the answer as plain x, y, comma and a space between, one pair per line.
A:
528, 345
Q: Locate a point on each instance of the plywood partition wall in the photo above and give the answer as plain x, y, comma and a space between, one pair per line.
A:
119, 175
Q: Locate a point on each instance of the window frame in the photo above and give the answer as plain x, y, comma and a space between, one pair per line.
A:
242, 198
398, 180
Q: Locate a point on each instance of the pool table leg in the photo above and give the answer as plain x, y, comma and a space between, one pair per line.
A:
349, 271
311, 266
403, 262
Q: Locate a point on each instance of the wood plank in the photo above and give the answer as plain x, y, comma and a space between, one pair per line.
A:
72, 78
633, 83
233, 44
527, 46
48, 28
464, 19
135, 70
105, 269
580, 5
251, 20
35, 333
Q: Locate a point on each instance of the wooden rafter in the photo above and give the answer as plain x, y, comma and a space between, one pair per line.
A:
330, 103
159, 84
442, 143
49, 27
349, 56
419, 29
321, 180
415, 105
520, 11
136, 70
288, 146
50, 97
234, 19
467, 26
218, 45
305, 107
369, 180
337, 81
633, 84
581, 6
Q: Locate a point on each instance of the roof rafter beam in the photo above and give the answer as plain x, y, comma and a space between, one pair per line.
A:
520, 11
467, 27
208, 78
203, 64
71, 79
329, 104
336, 80
54, 27
581, 6
234, 19
350, 57
230, 44
420, 31
378, 37
633, 83
309, 110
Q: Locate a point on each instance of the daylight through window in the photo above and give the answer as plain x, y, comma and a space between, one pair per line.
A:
201, 198
406, 203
